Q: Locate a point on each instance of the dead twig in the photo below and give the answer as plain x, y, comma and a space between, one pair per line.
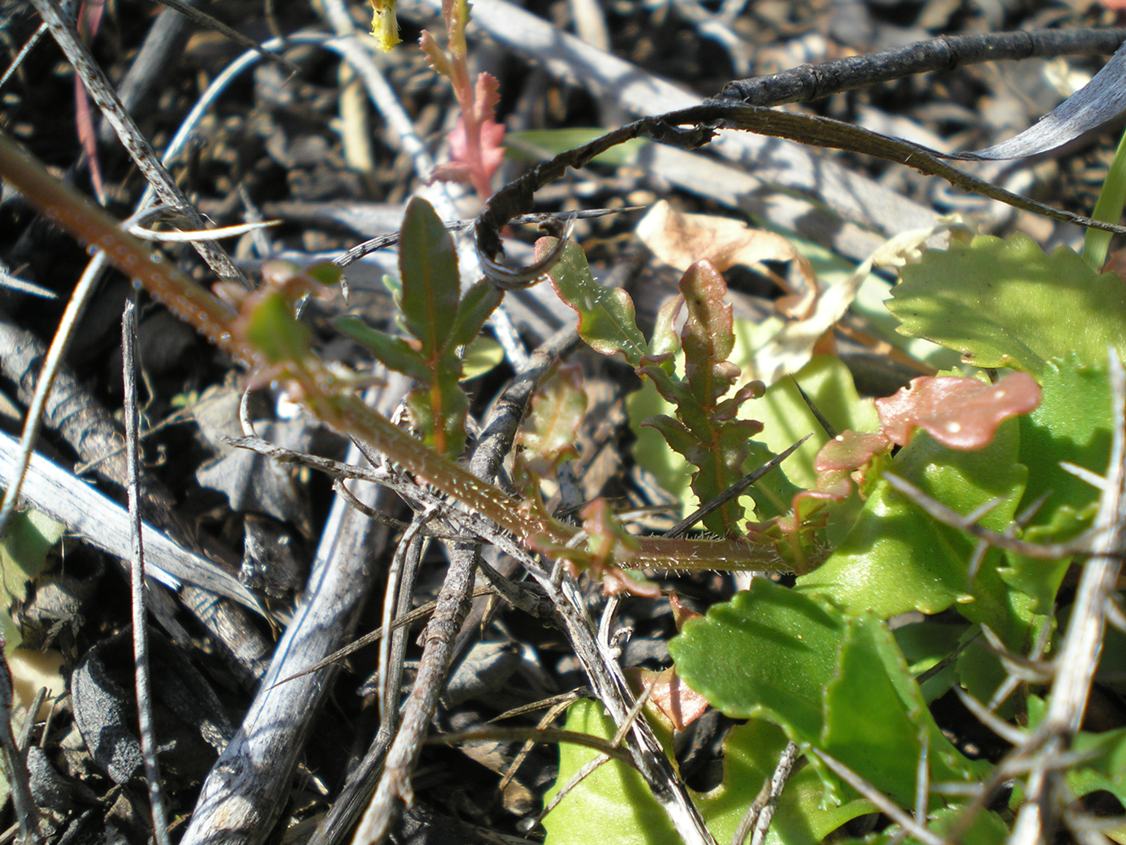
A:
141, 677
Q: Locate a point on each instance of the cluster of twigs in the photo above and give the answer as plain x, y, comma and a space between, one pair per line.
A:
239, 800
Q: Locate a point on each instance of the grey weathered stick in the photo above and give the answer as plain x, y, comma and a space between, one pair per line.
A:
239, 801
1078, 655
105, 524
91, 432
759, 815
141, 679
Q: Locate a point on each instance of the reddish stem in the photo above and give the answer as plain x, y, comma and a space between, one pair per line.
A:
321, 392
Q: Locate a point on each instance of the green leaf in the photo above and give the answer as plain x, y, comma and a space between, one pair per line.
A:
24, 551
925, 645
786, 417
980, 673
612, 804
439, 409
540, 144
987, 828
393, 351
275, 332
478, 303
1005, 303
770, 653
27, 542
606, 316
805, 814
1073, 423
836, 683
481, 356
430, 282
1104, 757
897, 558
327, 273
1108, 208
876, 717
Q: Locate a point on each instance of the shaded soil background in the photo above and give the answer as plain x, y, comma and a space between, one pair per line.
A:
271, 147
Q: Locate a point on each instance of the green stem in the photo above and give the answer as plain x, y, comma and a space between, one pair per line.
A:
321, 392
1108, 209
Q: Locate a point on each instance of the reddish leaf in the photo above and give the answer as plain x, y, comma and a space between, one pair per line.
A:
608, 541
89, 22
849, 450
707, 336
434, 54
960, 413
680, 704
680, 613
476, 159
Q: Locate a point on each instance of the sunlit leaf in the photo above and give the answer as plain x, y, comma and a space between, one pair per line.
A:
612, 804
837, 683
430, 283
606, 315
273, 329
898, 558
481, 355
393, 351
1005, 303
961, 413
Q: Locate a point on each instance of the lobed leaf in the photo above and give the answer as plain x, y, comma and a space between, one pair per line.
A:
1073, 424
897, 558
551, 427
829, 681
876, 717
707, 338
1006, 303
613, 804
606, 317
768, 653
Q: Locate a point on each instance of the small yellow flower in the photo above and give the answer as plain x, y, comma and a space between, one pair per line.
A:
384, 27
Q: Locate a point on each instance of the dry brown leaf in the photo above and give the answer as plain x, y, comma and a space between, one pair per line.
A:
681, 240
678, 702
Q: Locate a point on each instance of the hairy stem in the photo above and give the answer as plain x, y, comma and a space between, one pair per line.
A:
322, 393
